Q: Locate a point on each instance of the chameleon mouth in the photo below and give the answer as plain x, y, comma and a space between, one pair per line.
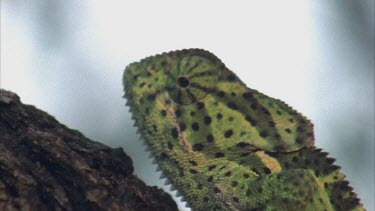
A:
183, 82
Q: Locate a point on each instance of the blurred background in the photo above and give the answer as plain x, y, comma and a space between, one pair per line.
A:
67, 58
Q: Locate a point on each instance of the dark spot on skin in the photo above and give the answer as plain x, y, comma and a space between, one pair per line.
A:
248, 193
154, 127
163, 63
231, 77
192, 113
207, 120
219, 116
174, 132
195, 126
271, 123
210, 168
233, 94
243, 133
234, 184
168, 102
170, 145
291, 120
230, 119
256, 171
217, 190
246, 175
266, 170
228, 133
221, 94
263, 134
177, 113
193, 171
219, 155
288, 130
278, 112
149, 86
135, 77
247, 95
265, 111
325, 185
228, 174
244, 154
253, 106
251, 120
299, 141
142, 84
192, 162
200, 105
200, 186
163, 156
148, 74
232, 105
242, 144
235, 199
210, 179
286, 165
151, 97
163, 112
210, 138
198, 147
299, 129
285, 201
182, 126
183, 82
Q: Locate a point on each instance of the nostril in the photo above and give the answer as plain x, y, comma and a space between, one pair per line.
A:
183, 82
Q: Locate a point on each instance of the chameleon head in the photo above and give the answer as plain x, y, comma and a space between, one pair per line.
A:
190, 100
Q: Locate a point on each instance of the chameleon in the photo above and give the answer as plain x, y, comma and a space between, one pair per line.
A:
225, 146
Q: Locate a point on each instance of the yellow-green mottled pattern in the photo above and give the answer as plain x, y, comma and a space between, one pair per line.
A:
228, 147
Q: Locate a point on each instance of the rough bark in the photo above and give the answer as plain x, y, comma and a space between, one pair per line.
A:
44, 165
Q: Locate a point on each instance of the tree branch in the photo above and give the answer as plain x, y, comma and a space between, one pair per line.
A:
44, 165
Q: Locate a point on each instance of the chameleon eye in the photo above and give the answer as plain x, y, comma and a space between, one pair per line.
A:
183, 82
191, 79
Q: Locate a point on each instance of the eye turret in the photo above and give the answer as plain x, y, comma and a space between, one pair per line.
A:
191, 79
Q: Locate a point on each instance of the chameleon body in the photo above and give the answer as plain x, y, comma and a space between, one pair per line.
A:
228, 147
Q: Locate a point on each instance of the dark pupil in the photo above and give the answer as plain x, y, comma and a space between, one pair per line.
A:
183, 82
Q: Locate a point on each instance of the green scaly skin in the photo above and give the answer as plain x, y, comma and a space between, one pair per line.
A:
228, 147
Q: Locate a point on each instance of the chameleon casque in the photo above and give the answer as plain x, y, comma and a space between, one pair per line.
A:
228, 147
